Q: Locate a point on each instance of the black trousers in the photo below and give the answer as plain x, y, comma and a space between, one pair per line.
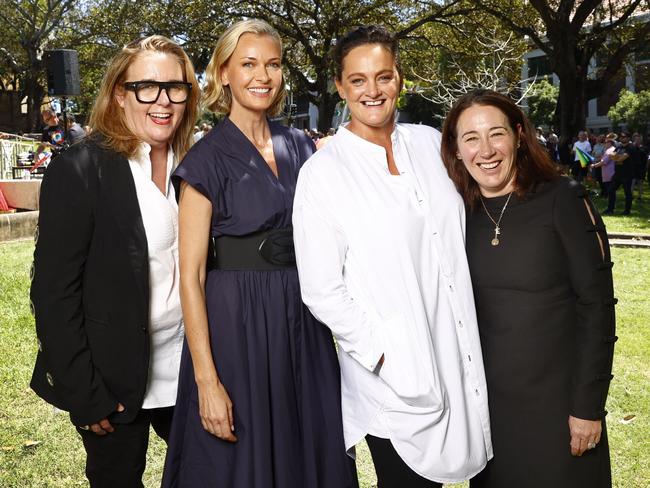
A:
391, 471
627, 188
118, 459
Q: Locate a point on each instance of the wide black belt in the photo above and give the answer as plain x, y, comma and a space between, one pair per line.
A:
266, 250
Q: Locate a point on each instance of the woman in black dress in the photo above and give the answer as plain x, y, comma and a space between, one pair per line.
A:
259, 391
541, 271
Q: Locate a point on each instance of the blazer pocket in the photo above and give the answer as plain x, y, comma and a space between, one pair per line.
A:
409, 368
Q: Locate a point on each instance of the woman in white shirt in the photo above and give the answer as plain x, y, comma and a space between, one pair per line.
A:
379, 236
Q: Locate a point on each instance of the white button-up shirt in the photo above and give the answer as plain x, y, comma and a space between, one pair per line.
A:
166, 332
382, 263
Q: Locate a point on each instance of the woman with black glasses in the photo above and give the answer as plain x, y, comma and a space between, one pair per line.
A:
106, 276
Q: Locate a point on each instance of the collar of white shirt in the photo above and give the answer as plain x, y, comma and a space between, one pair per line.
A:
142, 158
397, 134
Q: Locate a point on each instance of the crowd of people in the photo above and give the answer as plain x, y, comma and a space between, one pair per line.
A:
612, 160
193, 280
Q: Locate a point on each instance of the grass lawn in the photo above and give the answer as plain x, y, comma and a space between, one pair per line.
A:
39, 448
637, 222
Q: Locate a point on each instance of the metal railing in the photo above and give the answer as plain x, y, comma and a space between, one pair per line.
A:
14, 148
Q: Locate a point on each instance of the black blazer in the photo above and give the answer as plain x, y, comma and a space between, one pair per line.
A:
90, 288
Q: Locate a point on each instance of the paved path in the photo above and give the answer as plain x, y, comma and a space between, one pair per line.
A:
627, 239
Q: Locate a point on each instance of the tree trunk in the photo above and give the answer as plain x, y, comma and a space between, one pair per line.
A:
34, 91
326, 109
570, 112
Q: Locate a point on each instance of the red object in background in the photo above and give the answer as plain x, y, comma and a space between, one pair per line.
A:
4, 206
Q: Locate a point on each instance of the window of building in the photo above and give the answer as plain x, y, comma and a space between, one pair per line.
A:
539, 67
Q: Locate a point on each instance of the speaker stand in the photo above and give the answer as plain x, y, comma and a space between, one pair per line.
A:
64, 101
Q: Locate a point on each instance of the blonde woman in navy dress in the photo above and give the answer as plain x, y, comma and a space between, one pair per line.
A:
259, 392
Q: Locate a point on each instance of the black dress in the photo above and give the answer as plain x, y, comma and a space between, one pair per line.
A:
276, 361
545, 307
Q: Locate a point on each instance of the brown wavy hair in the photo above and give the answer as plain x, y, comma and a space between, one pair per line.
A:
218, 98
533, 165
107, 117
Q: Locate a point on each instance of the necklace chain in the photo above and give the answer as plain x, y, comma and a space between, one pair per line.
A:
497, 223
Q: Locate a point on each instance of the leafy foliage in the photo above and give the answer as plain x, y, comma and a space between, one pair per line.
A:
542, 102
571, 33
633, 110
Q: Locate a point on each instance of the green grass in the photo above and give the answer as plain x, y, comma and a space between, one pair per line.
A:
637, 222
59, 458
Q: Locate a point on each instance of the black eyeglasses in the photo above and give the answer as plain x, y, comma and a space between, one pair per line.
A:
148, 91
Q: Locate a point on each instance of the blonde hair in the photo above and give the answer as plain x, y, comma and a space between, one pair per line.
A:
218, 98
107, 117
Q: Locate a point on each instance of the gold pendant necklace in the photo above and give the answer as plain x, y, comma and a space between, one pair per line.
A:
497, 228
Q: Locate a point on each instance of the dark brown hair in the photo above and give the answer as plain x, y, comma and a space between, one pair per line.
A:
533, 164
366, 34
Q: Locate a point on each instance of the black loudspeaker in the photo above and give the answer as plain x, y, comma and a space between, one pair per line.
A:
62, 72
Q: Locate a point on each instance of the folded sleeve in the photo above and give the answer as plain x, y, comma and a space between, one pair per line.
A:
198, 169
320, 255
64, 234
582, 233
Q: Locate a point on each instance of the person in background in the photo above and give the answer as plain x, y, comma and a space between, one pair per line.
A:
320, 143
75, 132
552, 146
105, 289
541, 273
379, 235
53, 133
606, 163
259, 395
640, 164
540, 136
198, 133
624, 159
577, 171
597, 152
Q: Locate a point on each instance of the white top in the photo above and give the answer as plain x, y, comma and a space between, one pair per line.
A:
382, 262
584, 146
166, 332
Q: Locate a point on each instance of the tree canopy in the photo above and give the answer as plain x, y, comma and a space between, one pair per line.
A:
440, 40
572, 33
542, 101
632, 110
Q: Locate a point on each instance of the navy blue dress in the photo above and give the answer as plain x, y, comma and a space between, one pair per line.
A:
276, 361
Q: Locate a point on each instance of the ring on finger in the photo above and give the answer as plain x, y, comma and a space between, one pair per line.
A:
591, 445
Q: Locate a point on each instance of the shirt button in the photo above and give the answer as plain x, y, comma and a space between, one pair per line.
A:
144, 328
31, 272
40, 345
469, 357
36, 235
477, 392
451, 287
50, 380
32, 309
460, 323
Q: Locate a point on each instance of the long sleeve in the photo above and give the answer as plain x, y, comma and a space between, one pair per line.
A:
320, 256
64, 236
582, 233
